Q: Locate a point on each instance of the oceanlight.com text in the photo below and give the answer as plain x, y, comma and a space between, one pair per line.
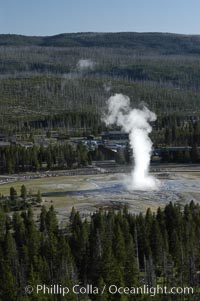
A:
89, 289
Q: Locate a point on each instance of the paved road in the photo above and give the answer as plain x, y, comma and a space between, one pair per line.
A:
95, 170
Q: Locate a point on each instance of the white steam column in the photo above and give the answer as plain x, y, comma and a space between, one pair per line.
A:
136, 123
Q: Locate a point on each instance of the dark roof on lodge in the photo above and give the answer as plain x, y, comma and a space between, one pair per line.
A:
171, 148
115, 135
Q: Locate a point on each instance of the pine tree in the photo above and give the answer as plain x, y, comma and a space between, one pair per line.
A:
23, 192
119, 247
131, 271
156, 242
51, 221
43, 215
2, 225
13, 194
38, 198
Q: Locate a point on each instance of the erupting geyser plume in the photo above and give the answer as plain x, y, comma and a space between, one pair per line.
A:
136, 123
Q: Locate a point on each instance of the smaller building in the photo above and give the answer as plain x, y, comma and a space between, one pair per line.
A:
26, 144
4, 143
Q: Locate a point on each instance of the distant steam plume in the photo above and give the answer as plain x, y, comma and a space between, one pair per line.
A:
136, 123
107, 87
85, 64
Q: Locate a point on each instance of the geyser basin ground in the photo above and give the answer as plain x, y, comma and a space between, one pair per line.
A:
88, 193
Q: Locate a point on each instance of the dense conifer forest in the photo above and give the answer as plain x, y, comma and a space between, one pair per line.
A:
109, 248
15, 159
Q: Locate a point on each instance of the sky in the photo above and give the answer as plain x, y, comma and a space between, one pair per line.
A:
51, 17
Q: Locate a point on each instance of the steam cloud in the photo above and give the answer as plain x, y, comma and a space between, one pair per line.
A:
136, 123
85, 64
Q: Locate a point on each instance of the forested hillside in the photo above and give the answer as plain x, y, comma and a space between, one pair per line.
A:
161, 43
63, 81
